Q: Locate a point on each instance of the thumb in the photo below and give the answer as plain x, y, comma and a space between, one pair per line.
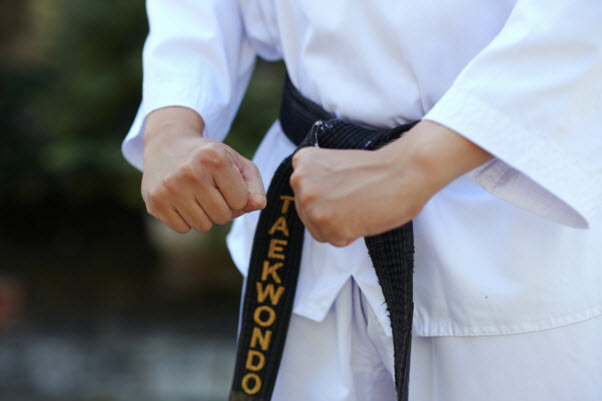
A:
250, 173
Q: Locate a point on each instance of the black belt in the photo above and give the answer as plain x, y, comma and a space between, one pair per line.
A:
276, 255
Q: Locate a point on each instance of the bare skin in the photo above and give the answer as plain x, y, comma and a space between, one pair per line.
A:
340, 195
194, 182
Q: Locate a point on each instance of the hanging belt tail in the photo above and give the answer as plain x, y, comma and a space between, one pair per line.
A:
275, 258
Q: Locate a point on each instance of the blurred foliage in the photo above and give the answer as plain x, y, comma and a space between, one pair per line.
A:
69, 91
75, 239
70, 85
66, 104
259, 109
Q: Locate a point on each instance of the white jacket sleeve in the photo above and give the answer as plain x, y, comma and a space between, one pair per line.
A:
533, 98
197, 56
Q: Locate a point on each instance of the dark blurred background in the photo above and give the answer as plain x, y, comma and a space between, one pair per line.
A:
97, 300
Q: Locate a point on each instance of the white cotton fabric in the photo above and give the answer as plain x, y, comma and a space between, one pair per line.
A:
513, 247
345, 357
348, 357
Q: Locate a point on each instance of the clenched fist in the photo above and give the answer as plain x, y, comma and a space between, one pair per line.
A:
193, 182
341, 195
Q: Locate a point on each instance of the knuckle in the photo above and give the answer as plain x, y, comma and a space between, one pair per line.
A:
346, 239
260, 202
222, 219
318, 236
238, 204
152, 199
171, 184
300, 154
295, 179
338, 235
299, 158
308, 197
414, 210
321, 217
188, 172
240, 201
296, 159
151, 208
212, 155
340, 242
204, 226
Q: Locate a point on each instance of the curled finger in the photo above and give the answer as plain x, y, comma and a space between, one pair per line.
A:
214, 205
194, 215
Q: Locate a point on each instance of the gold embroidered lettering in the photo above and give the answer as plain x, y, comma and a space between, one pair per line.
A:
279, 225
268, 291
262, 338
271, 271
276, 247
258, 313
255, 360
256, 383
287, 200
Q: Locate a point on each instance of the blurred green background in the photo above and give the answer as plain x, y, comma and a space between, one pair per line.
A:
87, 279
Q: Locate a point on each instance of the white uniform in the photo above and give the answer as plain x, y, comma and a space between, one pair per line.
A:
505, 255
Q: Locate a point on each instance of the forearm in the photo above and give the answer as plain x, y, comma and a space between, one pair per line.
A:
435, 154
173, 120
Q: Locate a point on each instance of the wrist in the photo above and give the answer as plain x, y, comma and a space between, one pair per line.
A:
173, 121
435, 155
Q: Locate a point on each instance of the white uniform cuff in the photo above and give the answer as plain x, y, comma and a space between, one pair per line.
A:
532, 173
